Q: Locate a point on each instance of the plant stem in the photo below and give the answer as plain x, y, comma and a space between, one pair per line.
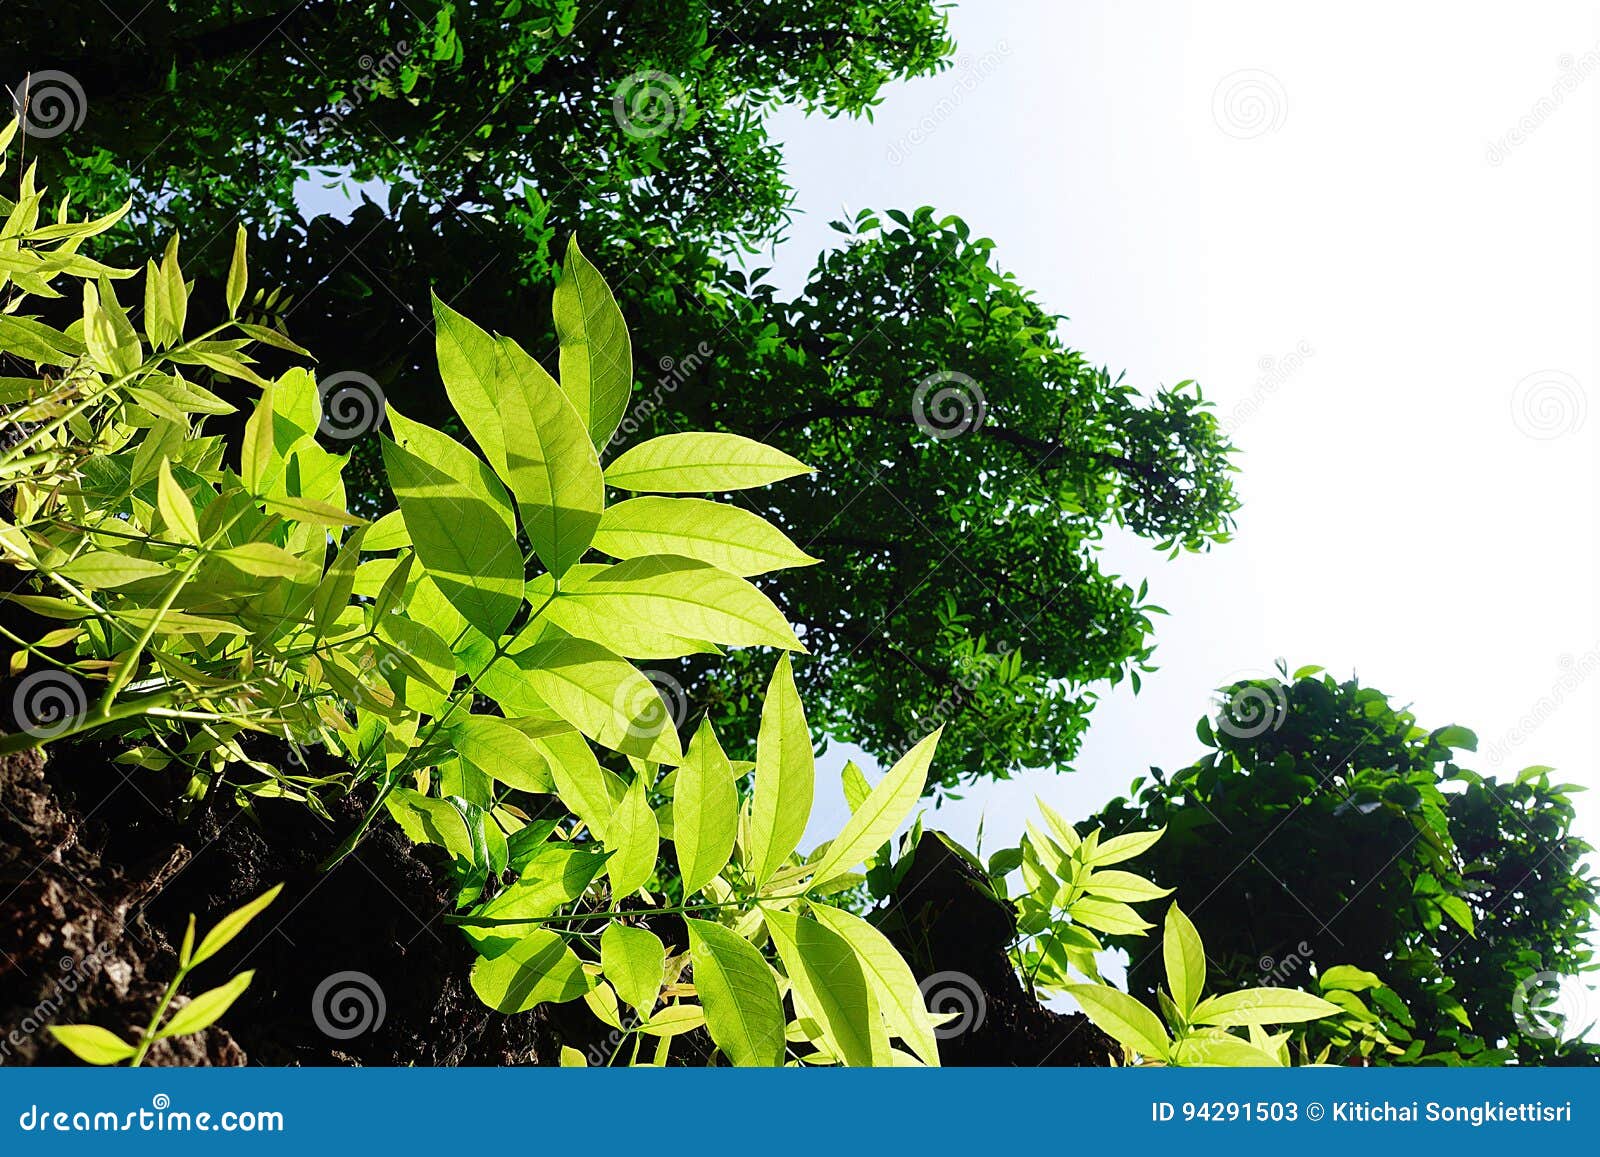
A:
148, 1036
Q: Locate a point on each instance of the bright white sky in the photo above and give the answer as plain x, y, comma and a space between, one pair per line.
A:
1399, 519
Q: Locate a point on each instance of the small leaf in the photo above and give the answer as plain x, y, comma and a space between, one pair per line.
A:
92, 1044
785, 776
827, 976
739, 994
540, 968
705, 811
634, 961
238, 276
1262, 1006
176, 509
1123, 1018
1185, 959
232, 924
596, 353
881, 813
205, 1009
634, 836
700, 463
571, 1058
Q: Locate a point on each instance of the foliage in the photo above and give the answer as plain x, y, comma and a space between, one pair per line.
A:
1454, 888
969, 563
968, 465
231, 602
100, 1046
1196, 1029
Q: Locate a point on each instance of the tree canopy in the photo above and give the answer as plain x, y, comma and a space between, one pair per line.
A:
1327, 826
968, 460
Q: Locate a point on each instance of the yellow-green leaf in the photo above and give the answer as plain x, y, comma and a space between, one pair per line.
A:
92, 1044
739, 994
898, 994
718, 533
785, 776
596, 353
205, 1009
231, 925
876, 819
700, 463
540, 968
634, 961
705, 810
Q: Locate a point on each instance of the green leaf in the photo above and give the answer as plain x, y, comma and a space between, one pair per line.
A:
426, 820
552, 877
674, 1020
540, 968
705, 811
700, 463
596, 353
603, 696
177, 512
1111, 884
1262, 1006
853, 781
231, 925
827, 977
739, 994
634, 836
881, 813
1458, 737
106, 570
588, 790
263, 560
682, 597
333, 592
1114, 851
785, 776
635, 962
1458, 910
496, 749
1108, 916
571, 1058
90, 1043
238, 276
1222, 1052
1121, 1017
1185, 958
896, 989
724, 536
205, 1009
459, 521
1348, 977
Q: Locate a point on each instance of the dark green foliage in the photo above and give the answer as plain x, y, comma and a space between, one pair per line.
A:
1326, 827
